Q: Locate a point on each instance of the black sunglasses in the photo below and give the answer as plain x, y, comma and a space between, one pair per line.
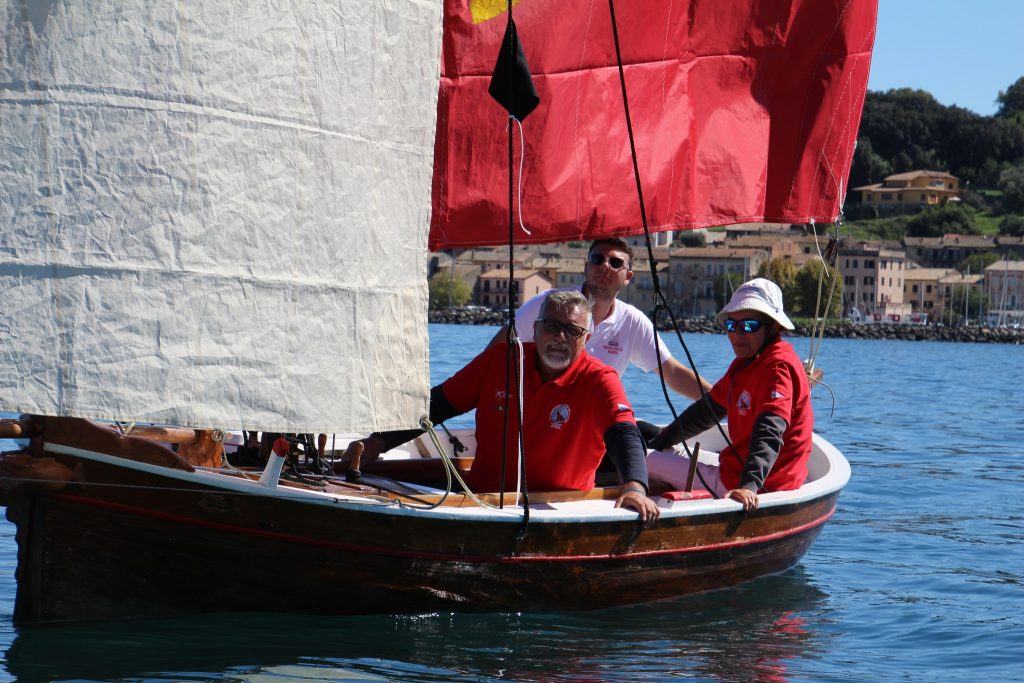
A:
748, 326
552, 326
614, 262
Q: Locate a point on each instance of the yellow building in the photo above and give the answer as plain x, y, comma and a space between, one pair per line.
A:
911, 190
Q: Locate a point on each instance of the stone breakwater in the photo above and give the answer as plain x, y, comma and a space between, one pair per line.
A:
983, 335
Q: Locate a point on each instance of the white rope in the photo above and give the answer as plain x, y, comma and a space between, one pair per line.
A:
519, 184
450, 467
519, 400
818, 326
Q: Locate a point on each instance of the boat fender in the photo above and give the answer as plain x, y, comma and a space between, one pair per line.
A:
671, 499
272, 472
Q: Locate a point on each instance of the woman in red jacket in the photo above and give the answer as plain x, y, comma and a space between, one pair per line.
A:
766, 396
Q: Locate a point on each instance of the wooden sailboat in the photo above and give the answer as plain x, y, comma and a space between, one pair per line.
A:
112, 526
241, 249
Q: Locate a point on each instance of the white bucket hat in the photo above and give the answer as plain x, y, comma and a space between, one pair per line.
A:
761, 295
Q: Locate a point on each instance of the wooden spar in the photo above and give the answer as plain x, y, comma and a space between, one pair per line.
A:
175, 435
18, 429
27, 427
198, 447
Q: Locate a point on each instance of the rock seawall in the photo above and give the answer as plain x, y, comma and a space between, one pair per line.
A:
981, 335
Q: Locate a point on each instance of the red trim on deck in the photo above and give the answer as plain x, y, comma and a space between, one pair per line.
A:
426, 555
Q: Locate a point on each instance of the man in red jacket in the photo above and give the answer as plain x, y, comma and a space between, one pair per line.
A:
574, 410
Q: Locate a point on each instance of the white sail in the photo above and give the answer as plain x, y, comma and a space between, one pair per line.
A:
214, 214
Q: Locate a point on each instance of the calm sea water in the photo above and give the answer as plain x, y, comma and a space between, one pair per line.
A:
918, 577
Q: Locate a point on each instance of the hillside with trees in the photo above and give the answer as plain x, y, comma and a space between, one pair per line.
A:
904, 130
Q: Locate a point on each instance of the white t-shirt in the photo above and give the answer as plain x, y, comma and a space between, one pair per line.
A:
626, 336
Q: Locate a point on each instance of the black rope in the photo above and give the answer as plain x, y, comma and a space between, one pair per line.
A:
511, 348
659, 296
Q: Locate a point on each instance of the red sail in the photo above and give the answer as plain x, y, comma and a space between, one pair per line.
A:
742, 111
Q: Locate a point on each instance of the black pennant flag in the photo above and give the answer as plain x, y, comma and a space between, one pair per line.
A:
511, 83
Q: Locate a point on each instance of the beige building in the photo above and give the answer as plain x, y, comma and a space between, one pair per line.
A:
640, 291
552, 267
739, 230
1004, 285
494, 287
930, 290
799, 249
1011, 246
658, 239
925, 290
911, 190
694, 272
946, 251
570, 276
873, 274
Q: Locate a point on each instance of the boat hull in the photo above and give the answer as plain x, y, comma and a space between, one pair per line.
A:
116, 542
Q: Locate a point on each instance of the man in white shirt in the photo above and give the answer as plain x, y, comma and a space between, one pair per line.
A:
622, 333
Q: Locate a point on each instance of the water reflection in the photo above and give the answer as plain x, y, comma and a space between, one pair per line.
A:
742, 634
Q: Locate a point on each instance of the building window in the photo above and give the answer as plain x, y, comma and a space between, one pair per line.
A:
928, 289
869, 263
855, 263
913, 288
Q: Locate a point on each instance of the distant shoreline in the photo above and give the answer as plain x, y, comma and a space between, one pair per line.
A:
841, 330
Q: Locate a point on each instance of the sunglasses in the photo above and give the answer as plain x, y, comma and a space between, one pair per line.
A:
614, 262
552, 326
748, 326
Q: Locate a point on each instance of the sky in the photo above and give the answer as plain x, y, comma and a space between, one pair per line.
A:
964, 52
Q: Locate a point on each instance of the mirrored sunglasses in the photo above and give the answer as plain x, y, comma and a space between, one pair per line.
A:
614, 262
552, 326
748, 326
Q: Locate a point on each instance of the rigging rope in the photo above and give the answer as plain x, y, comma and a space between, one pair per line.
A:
817, 333
513, 359
659, 296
